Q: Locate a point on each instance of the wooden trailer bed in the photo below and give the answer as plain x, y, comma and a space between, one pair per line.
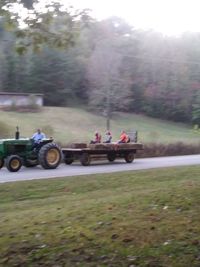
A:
86, 153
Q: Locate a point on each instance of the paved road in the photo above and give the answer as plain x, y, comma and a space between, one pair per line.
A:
97, 167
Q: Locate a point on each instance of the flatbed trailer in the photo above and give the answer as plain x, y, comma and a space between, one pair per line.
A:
86, 153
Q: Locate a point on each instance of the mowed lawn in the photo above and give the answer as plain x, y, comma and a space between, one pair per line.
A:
141, 218
78, 125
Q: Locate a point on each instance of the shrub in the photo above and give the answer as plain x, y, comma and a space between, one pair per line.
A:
175, 149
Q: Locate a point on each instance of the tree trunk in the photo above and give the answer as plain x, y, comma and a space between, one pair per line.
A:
108, 111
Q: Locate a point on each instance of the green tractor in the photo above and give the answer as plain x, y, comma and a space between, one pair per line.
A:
22, 151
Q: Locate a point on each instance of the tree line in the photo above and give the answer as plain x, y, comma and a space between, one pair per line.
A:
105, 65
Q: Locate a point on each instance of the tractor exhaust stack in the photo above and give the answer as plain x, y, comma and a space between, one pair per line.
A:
17, 133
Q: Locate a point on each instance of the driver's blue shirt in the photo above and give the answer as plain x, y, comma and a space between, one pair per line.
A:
38, 137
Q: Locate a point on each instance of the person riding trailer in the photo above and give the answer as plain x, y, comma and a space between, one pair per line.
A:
124, 138
97, 139
108, 137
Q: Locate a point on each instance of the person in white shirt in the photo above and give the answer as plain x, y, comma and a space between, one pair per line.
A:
108, 137
38, 136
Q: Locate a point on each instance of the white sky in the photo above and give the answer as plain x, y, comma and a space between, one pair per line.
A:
170, 17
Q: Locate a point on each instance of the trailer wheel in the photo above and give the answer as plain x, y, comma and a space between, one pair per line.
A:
49, 156
68, 158
85, 159
28, 163
1, 163
129, 157
13, 163
111, 157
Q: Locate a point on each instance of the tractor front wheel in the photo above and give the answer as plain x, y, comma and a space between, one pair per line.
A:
49, 156
1, 163
13, 163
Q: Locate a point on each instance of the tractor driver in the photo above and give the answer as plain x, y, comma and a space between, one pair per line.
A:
38, 136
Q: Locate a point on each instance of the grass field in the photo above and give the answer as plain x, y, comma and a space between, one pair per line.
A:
144, 218
73, 124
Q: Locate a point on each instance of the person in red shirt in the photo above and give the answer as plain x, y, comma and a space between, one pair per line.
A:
124, 138
97, 138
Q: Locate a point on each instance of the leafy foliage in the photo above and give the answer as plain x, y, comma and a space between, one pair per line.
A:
108, 65
50, 23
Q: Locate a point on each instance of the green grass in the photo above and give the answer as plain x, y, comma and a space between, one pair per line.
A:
78, 125
144, 218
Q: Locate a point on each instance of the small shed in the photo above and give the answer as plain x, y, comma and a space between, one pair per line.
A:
9, 99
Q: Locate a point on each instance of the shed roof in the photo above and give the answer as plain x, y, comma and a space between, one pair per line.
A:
20, 94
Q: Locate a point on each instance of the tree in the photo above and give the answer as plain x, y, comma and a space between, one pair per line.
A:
52, 23
196, 109
57, 75
108, 65
108, 85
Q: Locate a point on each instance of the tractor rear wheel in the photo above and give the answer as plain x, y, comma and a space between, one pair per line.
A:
13, 163
129, 157
49, 156
1, 163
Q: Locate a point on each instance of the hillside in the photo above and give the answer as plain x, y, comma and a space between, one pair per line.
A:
73, 124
